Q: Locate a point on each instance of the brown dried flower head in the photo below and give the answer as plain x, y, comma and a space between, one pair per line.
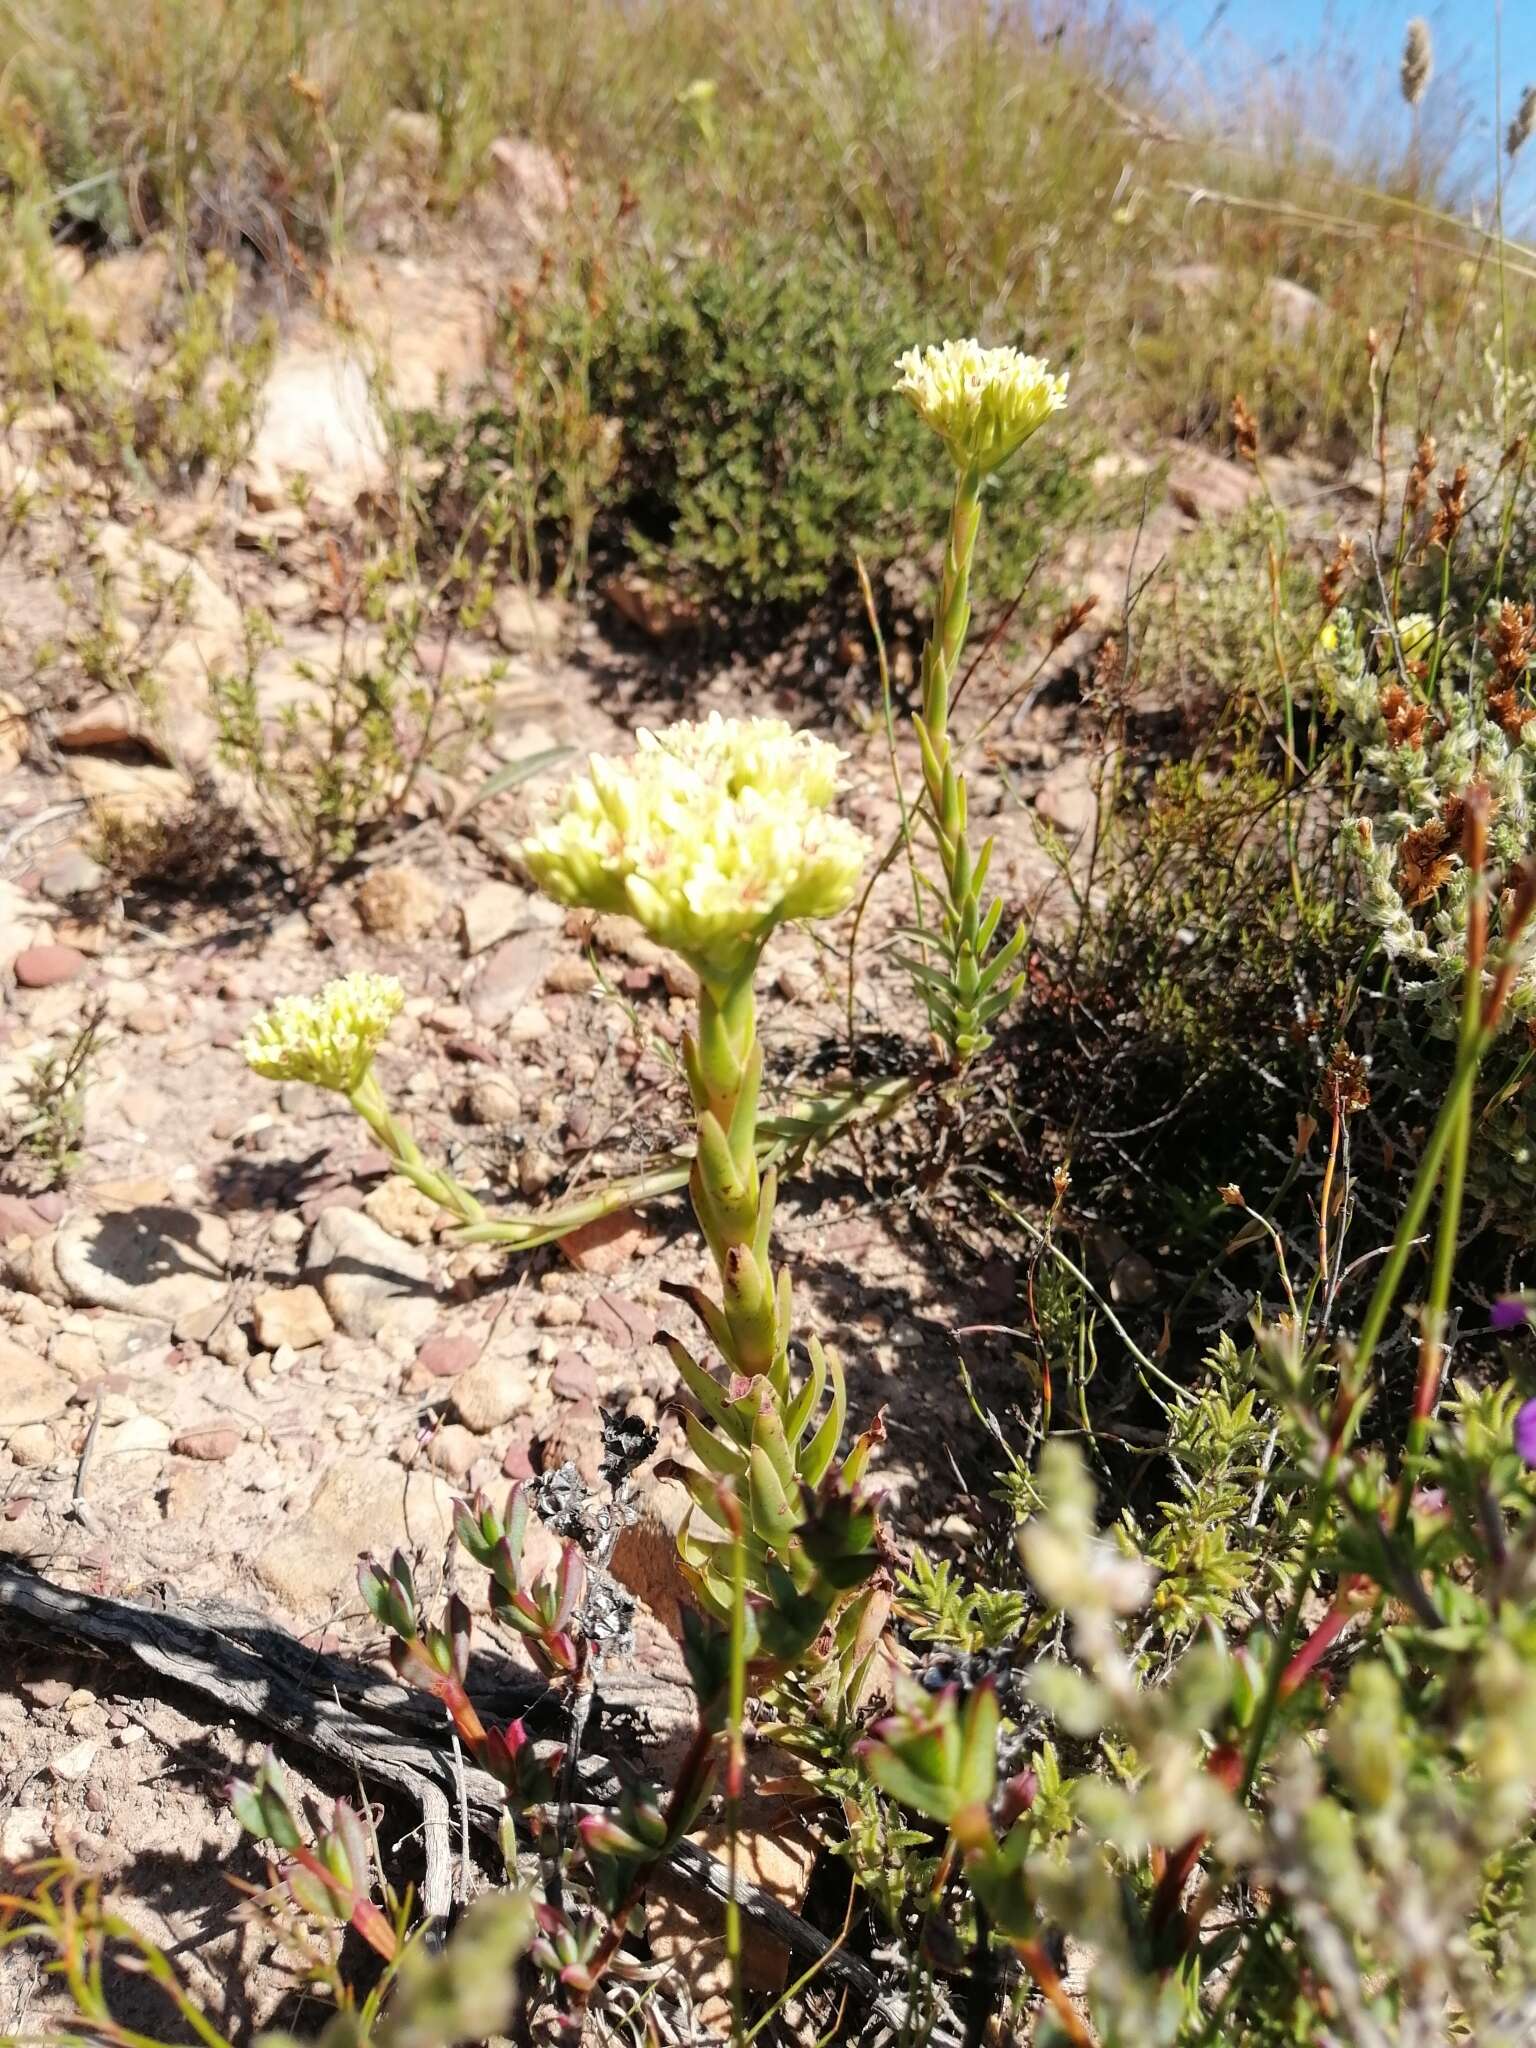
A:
1430, 854
1523, 126
1345, 1089
1403, 718
1330, 584
1245, 430
1071, 620
1453, 508
1418, 61
1417, 489
1512, 638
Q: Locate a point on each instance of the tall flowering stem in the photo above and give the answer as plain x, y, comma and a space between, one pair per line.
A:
712, 835
983, 403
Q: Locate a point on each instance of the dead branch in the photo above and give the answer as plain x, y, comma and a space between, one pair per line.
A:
252, 1667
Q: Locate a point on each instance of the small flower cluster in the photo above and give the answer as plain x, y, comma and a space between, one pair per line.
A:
710, 834
983, 403
328, 1040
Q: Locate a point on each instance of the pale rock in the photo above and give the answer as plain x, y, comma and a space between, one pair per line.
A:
128, 792
525, 620
140, 1434
76, 1355
371, 1282
558, 1312
424, 322
360, 1505
508, 976
398, 902
536, 1171
71, 872
403, 1210
295, 1316
153, 583
1066, 799
527, 179
493, 1390
452, 1450
571, 978
491, 1100
494, 912
13, 728
33, 1447
319, 429
72, 1764
29, 1389
25, 1833
152, 1261
529, 1025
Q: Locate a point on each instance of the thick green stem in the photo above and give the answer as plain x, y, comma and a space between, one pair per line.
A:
367, 1098
733, 1202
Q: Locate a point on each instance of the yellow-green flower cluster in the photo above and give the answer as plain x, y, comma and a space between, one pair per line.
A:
1416, 635
328, 1039
710, 834
983, 403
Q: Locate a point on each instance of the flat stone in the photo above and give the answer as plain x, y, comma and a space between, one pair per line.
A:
372, 1283
446, 1357
47, 966
574, 1380
453, 1450
33, 1446
608, 1243
529, 1025
360, 1505
492, 1391
150, 1261
293, 1315
20, 1218
31, 1390
319, 422
493, 912
211, 1444
71, 872
72, 1764
138, 1436
508, 977
1066, 798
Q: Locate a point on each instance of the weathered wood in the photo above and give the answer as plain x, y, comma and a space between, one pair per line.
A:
251, 1667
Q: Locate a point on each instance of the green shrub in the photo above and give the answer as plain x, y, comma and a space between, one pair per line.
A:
761, 448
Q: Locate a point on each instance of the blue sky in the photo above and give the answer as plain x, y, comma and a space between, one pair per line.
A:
1336, 61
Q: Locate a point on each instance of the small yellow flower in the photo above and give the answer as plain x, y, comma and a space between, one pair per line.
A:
983, 403
328, 1039
709, 834
1329, 637
1415, 635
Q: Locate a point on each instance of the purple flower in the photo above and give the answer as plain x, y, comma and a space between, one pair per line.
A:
1509, 1312
1525, 1432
